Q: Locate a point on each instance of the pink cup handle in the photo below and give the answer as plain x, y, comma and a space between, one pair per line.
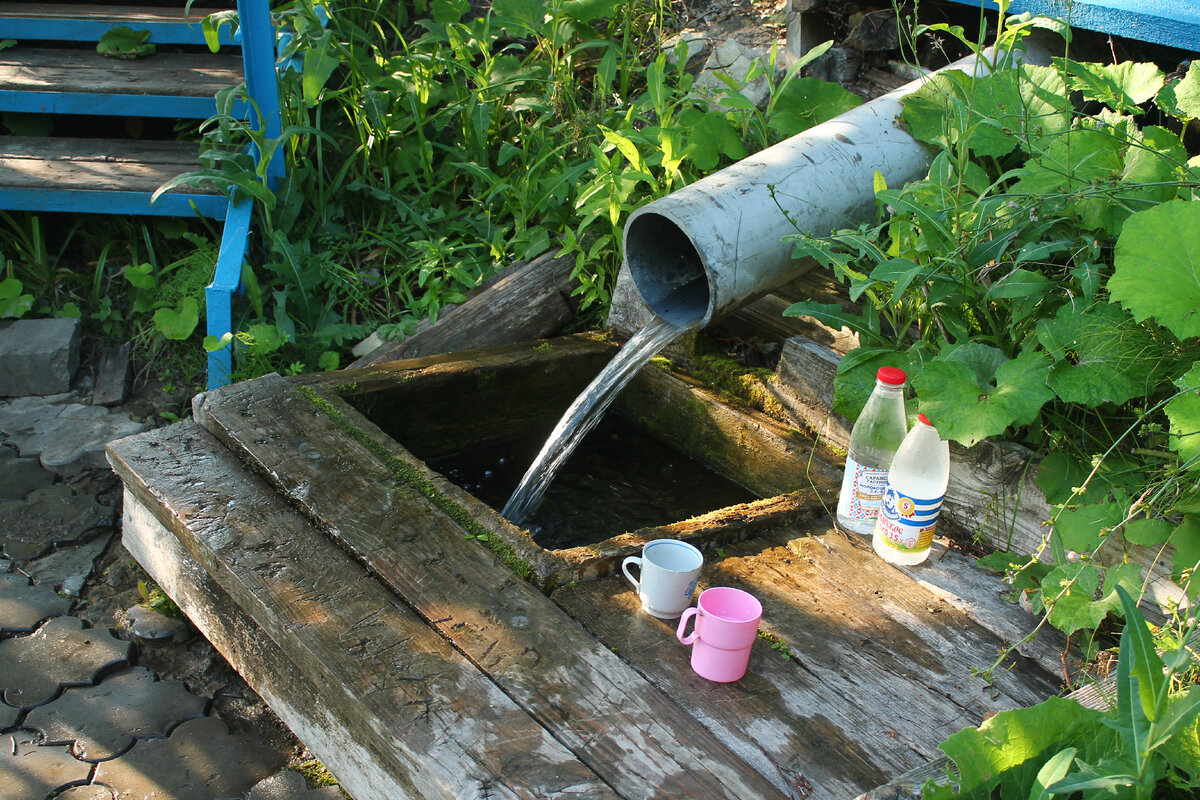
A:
683, 621
630, 560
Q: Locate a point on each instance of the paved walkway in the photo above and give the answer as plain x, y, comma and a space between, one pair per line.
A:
83, 714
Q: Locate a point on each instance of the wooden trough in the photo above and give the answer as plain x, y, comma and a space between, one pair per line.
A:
423, 647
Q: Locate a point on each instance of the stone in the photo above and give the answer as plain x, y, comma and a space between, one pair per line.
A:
734, 59
23, 606
148, 624
101, 722
38, 356
29, 771
48, 517
61, 653
69, 567
20, 476
290, 785
112, 379
699, 45
200, 760
68, 438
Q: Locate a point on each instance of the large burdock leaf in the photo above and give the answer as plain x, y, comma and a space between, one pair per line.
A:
968, 409
1184, 413
1122, 87
1101, 355
1006, 752
1156, 268
993, 113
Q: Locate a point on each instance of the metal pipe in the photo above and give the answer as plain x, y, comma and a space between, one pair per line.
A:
706, 249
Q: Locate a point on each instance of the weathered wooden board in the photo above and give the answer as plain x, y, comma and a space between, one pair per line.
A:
875, 674
120, 15
431, 404
95, 164
750, 448
336, 651
632, 735
529, 301
87, 72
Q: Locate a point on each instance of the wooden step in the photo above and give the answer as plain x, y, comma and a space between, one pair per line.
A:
87, 23
53, 81
101, 176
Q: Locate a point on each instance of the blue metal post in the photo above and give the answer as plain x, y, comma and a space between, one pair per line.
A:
218, 295
258, 55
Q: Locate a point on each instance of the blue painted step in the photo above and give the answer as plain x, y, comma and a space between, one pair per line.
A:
87, 23
1175, 23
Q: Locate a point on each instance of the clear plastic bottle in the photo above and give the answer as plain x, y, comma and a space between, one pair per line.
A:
913, 498
877, 433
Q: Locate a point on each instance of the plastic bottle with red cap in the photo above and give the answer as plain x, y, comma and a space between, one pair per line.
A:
876, 435
913, 496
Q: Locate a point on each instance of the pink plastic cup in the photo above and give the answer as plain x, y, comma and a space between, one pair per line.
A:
726, 627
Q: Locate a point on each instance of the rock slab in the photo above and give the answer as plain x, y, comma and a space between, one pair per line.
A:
38, 356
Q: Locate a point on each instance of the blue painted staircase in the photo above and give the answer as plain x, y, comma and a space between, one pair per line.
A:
93, 176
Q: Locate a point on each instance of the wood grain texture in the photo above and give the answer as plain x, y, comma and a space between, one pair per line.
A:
622, 727
87, 72
116, 14
373, 665
95, 164
529, 301
876, 673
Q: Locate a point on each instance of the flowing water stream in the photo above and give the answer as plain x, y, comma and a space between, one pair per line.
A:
585, 412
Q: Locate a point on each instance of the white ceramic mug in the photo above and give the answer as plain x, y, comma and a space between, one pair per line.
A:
669, 571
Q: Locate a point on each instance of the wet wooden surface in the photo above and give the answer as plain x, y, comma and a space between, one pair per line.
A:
632, 735
381, 606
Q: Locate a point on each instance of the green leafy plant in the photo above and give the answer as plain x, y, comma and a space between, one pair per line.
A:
1145, 745
126, 43
1041, 284
13, 303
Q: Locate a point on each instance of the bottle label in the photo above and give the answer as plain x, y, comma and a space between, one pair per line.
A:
906, 523
862, 489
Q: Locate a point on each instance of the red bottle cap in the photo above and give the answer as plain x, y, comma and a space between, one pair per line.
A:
925, 419
893, 376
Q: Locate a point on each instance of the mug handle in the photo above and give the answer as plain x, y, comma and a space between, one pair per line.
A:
629, 561
683, 621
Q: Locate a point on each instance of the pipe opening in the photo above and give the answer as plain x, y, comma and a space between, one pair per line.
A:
667, 269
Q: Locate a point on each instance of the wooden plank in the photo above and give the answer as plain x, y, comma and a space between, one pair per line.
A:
618, 724
69, 164
117, 14
876, 671
529, 302
378, 676
200, 75
750, 448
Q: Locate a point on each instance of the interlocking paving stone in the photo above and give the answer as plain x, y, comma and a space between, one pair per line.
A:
20, 476
23, 606
290, 785
73, 561
102, 721
8, 716
60, 653
200, 760
31, 772
93, 791
68, 438
47, 517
